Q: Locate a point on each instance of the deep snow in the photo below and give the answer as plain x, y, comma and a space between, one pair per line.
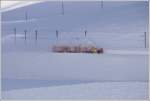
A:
117, 17
30, 69
98, 90
77, 66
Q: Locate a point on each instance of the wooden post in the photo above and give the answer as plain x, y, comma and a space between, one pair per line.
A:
1, 3
62, 5
36, 37
101, 3
85, 33
25, 34
15, 32
145, 38
57, 34
26, 16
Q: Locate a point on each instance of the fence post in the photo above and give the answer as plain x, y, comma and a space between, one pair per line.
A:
25, 34
62, 5
26, 15
145, 39
85, 33
57, 34
15, 32
36, 32
101, 3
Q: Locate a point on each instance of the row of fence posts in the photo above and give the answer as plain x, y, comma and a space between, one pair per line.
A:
36, 34
62, 7
57, 35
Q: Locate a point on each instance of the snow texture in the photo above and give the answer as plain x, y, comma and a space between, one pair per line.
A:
98, 90
31, 71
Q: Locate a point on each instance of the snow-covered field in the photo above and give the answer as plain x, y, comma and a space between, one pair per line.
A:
74, 76
58, 66
31, 71
98, 90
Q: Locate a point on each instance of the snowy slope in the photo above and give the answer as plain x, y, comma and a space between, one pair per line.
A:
30, 69
11, 5
116, 25
58, 66
78, 16
94, 91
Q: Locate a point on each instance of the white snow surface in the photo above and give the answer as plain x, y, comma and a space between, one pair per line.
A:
98, 90
11, 5
120, 73
75, 66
